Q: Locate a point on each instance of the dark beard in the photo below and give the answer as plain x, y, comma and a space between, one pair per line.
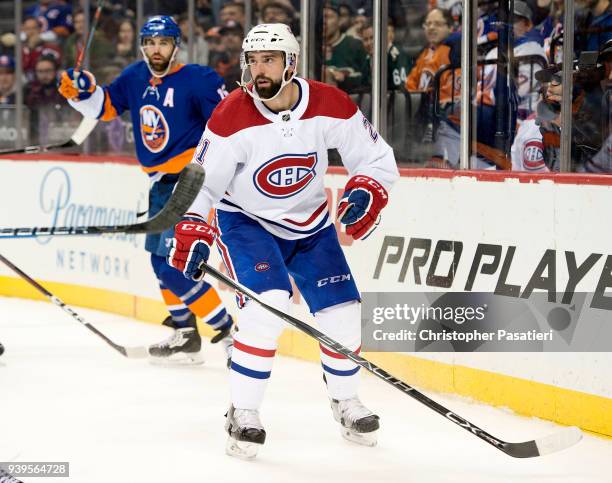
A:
159, 66
268, 92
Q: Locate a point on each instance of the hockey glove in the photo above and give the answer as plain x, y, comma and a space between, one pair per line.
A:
191, 246
77, 86
359, 208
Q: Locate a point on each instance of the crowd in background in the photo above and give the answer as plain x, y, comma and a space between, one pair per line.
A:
423, 60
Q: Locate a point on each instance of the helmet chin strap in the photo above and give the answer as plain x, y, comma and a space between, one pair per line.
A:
253, 92
153, 73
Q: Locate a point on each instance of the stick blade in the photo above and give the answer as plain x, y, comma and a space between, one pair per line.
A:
136, 352
552, 443
559, 441
187, 188
87, 125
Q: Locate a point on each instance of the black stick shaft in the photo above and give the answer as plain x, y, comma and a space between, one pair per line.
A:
357, 359
56, 301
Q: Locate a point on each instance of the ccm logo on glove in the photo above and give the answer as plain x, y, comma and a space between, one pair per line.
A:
360, 206
190, 246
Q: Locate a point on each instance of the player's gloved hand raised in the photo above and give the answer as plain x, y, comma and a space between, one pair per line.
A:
359, 208
191, 246
77, 86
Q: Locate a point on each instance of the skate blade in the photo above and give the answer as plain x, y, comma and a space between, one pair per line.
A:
364, 439
180, 359
241, 449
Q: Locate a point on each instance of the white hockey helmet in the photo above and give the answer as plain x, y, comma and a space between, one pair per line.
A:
270, 36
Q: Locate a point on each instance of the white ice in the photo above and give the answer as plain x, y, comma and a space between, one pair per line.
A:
66, 396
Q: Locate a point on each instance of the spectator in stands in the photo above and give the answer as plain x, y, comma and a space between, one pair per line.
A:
125, 48
595, 19
7, 43
200, 48
7, 80
523, 93
397, 61
213, 40
43, 99
360, 20
232, 11
34, 47
345, 17
551, 29
55, 18
100, 52
278, 12
455, 8
588, 151
528, 41
226, 61
205, 14
345, 59
42, 90
437, 27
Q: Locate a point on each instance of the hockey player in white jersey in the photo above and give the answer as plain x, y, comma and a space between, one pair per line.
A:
265, 154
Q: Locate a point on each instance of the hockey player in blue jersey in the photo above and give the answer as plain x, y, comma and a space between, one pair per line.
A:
169, 105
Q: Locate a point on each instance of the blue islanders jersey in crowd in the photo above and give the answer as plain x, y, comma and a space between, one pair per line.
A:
55, 16
169, 114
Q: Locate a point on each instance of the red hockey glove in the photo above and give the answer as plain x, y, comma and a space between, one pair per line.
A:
359, 208
191, 246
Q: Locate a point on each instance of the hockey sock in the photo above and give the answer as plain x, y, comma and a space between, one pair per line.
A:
254, 349
342, 323
184, 297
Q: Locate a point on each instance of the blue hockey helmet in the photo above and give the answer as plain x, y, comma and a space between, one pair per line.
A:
161, 26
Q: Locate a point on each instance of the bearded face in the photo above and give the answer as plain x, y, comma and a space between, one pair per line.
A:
266, 87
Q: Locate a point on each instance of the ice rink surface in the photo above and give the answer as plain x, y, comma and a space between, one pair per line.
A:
66, 396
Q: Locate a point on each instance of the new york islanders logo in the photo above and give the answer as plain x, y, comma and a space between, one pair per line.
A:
285, 175
153, 128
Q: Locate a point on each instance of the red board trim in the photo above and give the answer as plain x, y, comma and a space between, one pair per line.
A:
490, 176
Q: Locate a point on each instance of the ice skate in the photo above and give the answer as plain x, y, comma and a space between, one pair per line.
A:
357, 423
226, 338
246, 434
181, 348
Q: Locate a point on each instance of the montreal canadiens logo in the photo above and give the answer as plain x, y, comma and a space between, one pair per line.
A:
533, 155
153, 128
285, 175
262, 266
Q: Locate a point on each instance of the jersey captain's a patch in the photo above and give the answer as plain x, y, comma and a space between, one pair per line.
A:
285, 175
153, 128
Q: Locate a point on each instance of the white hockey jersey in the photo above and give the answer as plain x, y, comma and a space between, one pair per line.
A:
271, 166
528, 148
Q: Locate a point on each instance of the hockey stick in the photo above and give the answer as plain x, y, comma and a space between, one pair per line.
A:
92, 30
87, 125
130, 352
187, 188
565, 438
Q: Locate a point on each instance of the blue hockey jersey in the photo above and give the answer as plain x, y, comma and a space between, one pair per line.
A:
168, 114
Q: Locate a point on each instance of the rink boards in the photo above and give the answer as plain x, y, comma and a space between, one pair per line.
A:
429, 211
